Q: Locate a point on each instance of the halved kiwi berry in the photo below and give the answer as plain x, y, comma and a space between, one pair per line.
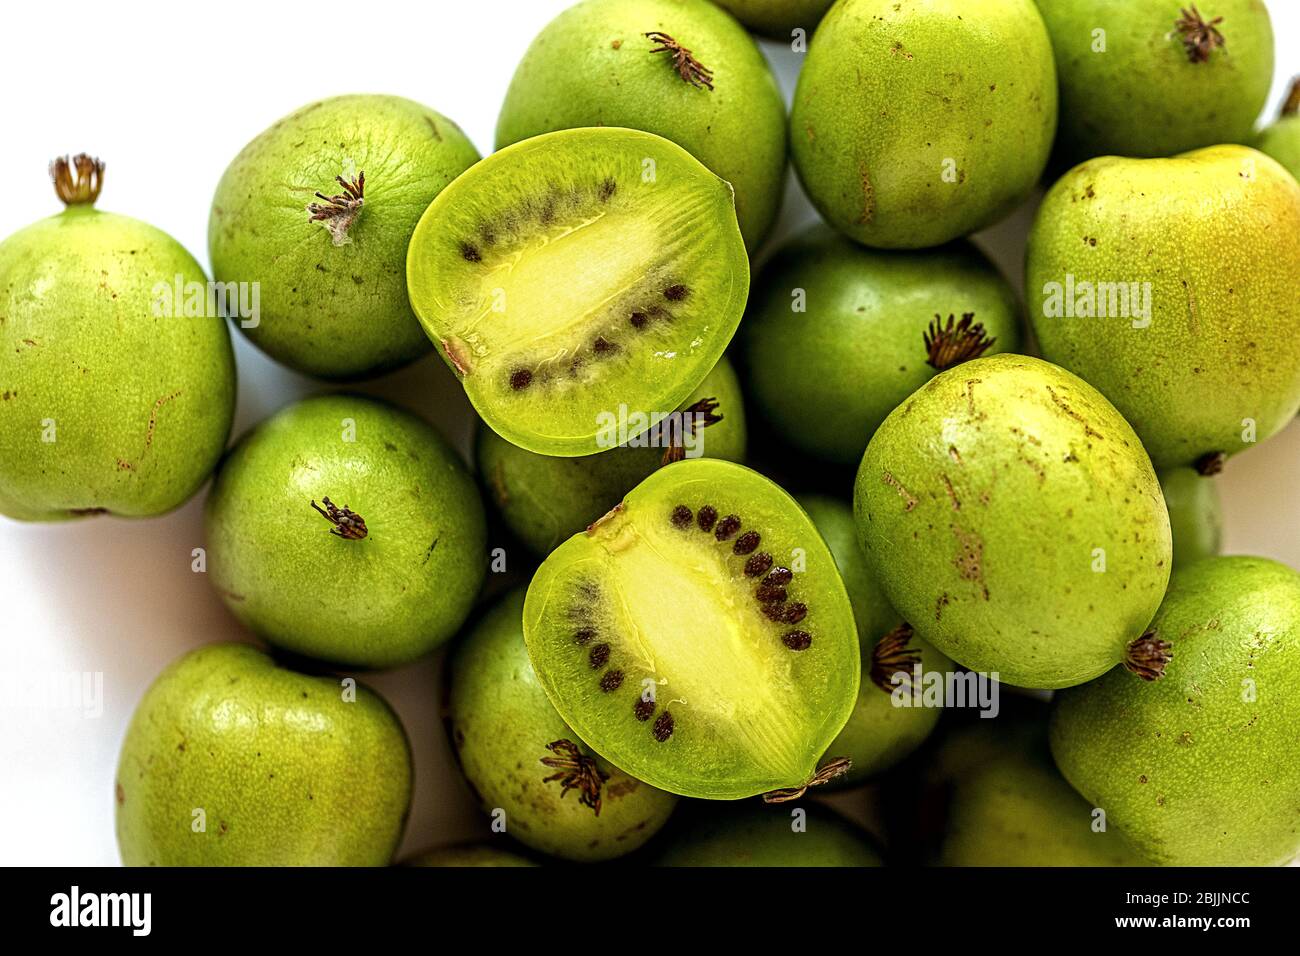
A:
699, 636
576, 275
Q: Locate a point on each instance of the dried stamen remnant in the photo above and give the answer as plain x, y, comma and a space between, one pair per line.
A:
663, 728
576, 772
1200, 38
1148, 656
949, 345
1211, 463
347, 523
835, 768
699, 415
77, 180
891, 656
688, 68
337, 213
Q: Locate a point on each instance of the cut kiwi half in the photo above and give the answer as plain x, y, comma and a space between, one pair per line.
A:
579, 275
699, 637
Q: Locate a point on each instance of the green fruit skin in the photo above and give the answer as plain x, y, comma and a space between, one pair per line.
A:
469, 855
1194, 772
826, 377
592, 66
893, 93
1011, 807
287, 772
334, 311
545, 500
1195, 514
140, 404
1143, 96
777, 18
980, 503
1282, 142
1217, 235
501, 722
764, 836
380, 601
878, 735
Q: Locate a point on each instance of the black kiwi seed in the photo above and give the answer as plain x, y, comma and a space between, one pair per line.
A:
746, 543
797, 640
663, 728
681, 517
779, 576
794, 613
676, 292
520, 379
727, 528
643, 709
584, 635
638, 320
611, 681
603, 346
469, 252
770, 593
708, 514
758, 564
607, 189
599, 656
775, 612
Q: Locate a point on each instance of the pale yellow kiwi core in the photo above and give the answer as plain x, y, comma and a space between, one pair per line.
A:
688, 619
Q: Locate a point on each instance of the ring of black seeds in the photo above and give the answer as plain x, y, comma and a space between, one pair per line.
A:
727, 528
758, 564
681, 517
663, 728
706, 517
797, 640
611, 681
583, 635
599, 656
643, 709
747, 542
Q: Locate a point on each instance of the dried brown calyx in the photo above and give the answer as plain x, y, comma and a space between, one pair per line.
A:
340, 211
347, 523
576, 771
1292, 104
891, 656
836, 767
1200, 37
956, 342
688, 68
1148, 656
675, 426
1211, 463
77, 179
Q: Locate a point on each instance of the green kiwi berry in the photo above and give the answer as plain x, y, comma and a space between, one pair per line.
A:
1158, 77
117, 381
1180, 309
1282, 139
917, 123
545, 500
232, 761
526, 766
806, 835
778, 18
880, 732
682, 69
836, 335
348, 530
1012, 517
318, 211
1199, 769
699, 636
578, 275
1195, 515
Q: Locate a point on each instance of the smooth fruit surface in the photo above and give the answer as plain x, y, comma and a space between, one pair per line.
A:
1170, 285
332, 277
678, 640
1147, 77
348, 530
919, 121
1195, 514
835, 335
879, 732
113, 398
808, 835
776, 18
698, 79
1013, 519
1198, 768
233, 761
523, 760
545, 500
578, 275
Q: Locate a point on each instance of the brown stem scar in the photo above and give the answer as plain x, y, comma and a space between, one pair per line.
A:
347, 523
78, 179
1211, 463
952, 344
576, 772
1148, 656
688, 68
700, 415
1200, 38
837, 767
891, 656
337, 213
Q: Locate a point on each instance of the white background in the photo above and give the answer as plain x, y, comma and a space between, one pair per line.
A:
167, 93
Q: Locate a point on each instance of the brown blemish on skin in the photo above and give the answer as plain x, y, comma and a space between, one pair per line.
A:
909, 500
153, 418
940, 603
1064, 406
954, 454
120, 793
1193, 311
459, 360
952, 494
868, 195
970, 395
969, 560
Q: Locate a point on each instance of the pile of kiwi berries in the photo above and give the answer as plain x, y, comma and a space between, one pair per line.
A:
755, 546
